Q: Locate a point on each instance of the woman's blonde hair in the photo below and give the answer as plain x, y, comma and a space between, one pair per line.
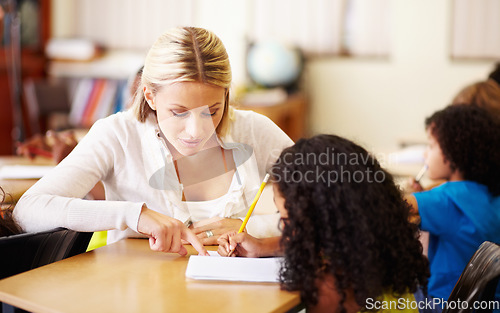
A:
485, 94
185, 54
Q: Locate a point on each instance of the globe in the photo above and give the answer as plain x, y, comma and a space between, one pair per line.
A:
272, 64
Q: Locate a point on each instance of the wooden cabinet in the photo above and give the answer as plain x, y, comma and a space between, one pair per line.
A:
290, 115
32, 64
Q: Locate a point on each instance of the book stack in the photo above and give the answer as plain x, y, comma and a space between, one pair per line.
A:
96, 98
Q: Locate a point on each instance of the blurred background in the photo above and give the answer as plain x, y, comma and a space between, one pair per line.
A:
369, 70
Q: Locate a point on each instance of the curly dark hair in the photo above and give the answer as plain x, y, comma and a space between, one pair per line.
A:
8, 225
469, 138
352, 223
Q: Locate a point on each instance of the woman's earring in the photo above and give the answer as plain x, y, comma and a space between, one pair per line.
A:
151, 105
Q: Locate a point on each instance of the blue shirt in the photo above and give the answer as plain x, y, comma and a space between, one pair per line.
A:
459, 216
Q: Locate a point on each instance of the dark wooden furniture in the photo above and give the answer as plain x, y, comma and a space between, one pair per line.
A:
32, 65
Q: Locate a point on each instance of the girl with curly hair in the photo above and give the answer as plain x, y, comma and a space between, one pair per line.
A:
464, 150
347, 242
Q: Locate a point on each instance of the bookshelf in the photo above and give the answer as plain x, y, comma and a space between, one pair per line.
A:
97, 88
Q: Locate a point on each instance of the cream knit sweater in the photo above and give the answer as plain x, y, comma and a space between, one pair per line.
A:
136, 168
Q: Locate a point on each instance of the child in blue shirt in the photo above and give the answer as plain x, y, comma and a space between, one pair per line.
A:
464, 150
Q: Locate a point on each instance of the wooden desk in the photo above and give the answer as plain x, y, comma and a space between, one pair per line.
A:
128, 277
16, 187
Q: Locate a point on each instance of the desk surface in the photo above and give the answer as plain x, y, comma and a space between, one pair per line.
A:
128, 277
16, 187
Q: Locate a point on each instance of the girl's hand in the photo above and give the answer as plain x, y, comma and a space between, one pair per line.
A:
242, 243
165, 233
210, 229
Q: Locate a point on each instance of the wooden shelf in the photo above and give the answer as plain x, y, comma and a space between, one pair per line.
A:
112, 65
290, 115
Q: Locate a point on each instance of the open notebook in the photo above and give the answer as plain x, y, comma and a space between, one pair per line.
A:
234, 269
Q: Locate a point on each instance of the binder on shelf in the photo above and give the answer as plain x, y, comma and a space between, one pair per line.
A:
97, 98
93, 101
80, 99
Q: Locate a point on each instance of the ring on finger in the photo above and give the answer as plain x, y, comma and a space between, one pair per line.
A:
209, 233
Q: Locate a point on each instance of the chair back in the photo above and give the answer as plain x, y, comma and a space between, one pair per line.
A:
478, 281
46, 98
22, 252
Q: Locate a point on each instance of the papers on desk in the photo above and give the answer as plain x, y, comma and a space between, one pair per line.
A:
234, 268
411, 154
24, 171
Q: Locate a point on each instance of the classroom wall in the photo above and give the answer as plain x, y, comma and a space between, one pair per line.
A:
379, 102
375, 102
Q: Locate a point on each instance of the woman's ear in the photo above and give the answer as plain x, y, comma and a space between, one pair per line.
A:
150, 98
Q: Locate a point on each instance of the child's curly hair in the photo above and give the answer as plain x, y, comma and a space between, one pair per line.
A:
351, 223
469, 138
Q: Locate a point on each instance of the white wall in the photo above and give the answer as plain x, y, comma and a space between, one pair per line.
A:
377, 102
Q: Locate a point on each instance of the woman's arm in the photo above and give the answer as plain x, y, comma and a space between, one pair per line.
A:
56, 199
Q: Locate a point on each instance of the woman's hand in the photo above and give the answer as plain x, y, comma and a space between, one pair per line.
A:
210, 229
242, 243
165, 233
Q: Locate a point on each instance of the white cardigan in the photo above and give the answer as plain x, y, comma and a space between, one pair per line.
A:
136, 167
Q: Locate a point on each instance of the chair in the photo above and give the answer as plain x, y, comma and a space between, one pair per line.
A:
47, 104
478, 281
22, 252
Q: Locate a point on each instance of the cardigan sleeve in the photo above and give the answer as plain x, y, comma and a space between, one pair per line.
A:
56, 199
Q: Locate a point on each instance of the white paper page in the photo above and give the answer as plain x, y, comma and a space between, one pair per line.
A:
234, 269
24, 171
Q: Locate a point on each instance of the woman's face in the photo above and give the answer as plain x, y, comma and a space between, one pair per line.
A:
188, 114
438, 167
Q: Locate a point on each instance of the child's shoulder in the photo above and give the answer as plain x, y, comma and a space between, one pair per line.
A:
455, 193
462, 194
464, 186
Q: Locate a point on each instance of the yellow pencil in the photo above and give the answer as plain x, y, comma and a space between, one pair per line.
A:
252, 206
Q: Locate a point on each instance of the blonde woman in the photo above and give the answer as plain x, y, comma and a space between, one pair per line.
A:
181, 164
